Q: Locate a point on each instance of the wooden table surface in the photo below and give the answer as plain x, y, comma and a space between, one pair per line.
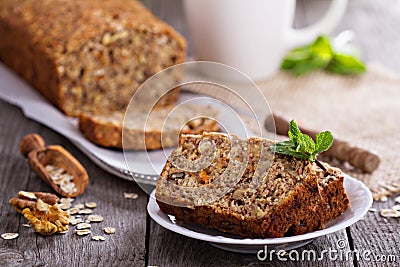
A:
138, 240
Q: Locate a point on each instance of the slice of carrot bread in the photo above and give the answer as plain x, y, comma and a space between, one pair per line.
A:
241, 187
162, 128
334, 197
331, 188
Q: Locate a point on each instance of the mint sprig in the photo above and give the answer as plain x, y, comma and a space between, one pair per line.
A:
303, 146
321, 55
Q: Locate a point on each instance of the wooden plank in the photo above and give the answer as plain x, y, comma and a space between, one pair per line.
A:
376, 238
184, 251
14, 176
125, 247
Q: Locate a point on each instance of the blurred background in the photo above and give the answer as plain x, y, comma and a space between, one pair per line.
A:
381, 30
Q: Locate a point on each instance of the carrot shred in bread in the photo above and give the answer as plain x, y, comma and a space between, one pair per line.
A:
203, 176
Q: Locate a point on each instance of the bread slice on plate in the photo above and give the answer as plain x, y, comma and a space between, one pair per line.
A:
240, 187
163, 127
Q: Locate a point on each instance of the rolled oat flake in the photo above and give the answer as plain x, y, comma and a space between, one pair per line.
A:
91, 205
95, 218
109, 230
390, 213
98, 238
85, 211
81, 226
131, 195
8, 236
83, 232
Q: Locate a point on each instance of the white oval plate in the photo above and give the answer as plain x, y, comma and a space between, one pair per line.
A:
360, 201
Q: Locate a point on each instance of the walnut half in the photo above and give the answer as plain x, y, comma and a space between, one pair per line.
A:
43, 214
47, 219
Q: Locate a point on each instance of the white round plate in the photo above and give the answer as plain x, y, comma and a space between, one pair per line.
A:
360, 201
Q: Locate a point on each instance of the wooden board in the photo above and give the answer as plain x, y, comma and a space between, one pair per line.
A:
128, 216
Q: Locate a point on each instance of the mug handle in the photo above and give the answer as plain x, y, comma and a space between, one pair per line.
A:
297, 37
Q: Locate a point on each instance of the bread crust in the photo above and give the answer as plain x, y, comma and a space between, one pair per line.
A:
86, 56
110, 133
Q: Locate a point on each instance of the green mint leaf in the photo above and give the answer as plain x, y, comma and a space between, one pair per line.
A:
323, 141
287, 148
287, 64
320, 55
322, 49
301, 145
317, 56
345, 64
294, 132
296, 55
284, 145
302, 67
306, 145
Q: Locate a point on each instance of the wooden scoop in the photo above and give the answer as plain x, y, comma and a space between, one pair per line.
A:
39, 156
361, 158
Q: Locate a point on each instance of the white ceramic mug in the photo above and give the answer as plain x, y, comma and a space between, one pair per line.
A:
251, 35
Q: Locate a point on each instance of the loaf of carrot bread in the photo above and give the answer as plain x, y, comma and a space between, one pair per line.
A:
160, 128
241, 187
87, 56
